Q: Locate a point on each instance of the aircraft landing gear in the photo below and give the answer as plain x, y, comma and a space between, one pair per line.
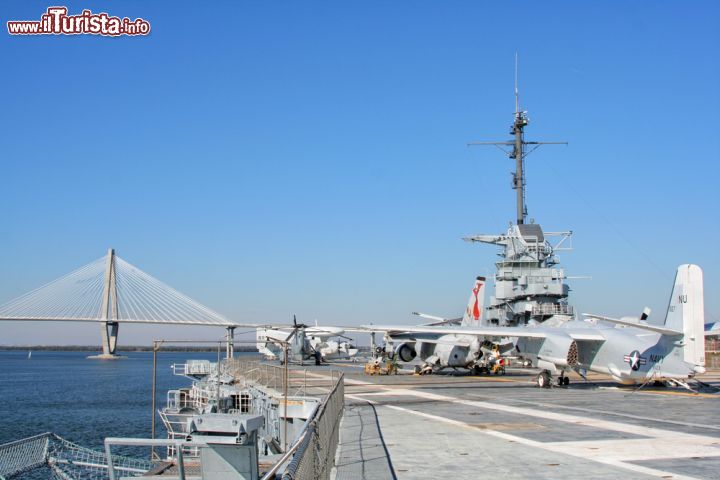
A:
563, 380
318, 358
479, 370
544, 380
423, 369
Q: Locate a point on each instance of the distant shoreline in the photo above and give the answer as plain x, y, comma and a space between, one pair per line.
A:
129, 348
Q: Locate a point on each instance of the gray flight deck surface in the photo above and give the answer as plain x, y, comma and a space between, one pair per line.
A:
461, 426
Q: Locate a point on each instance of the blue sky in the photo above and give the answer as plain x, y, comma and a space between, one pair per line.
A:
310, 158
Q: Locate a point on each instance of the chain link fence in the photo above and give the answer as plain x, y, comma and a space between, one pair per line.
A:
300, 382
315, 456
273, 376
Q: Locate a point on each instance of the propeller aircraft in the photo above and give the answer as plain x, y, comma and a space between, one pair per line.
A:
318, 343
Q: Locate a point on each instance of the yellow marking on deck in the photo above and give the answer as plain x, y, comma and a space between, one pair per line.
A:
682, 394
428, 383
494, 379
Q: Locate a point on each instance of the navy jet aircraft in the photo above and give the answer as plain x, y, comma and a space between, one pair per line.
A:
630, 350
448, 348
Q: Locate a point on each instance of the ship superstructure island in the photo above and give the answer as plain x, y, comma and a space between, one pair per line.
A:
529, 285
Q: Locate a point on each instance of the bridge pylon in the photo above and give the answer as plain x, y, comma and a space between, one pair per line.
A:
109, 325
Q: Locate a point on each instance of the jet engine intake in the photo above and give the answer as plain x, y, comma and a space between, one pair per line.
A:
406, 352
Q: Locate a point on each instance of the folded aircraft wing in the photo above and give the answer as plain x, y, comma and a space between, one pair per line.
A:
642, 326
428, 338
497, 332
535, 332
360, 329
434, 318
438, 321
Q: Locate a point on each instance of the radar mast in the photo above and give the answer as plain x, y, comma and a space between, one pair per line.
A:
519, 151
528, 284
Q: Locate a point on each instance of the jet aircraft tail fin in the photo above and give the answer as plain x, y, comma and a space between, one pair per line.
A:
474, 311
686, 312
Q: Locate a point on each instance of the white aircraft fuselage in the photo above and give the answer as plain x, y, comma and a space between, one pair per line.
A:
629, 355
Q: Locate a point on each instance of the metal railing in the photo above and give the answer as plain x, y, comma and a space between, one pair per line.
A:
552, 309
176, 426
194, 367
179, 445
271, 376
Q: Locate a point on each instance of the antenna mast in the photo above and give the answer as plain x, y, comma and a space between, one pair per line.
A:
518, 152
517, 96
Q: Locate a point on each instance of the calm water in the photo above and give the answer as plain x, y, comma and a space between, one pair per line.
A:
83, 400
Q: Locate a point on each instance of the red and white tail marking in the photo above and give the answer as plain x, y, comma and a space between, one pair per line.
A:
476, 304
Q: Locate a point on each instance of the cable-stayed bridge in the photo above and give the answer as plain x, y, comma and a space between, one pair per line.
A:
110, 291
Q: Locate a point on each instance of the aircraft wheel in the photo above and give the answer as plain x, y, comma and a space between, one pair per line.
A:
318, 358
566, 381
544, 380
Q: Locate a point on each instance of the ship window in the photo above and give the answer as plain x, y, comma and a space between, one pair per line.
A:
241, 402
245, 403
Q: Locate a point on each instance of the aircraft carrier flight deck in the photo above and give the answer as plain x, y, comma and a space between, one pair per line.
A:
455, 425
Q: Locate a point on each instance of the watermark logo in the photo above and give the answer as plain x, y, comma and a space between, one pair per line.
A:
56, 21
